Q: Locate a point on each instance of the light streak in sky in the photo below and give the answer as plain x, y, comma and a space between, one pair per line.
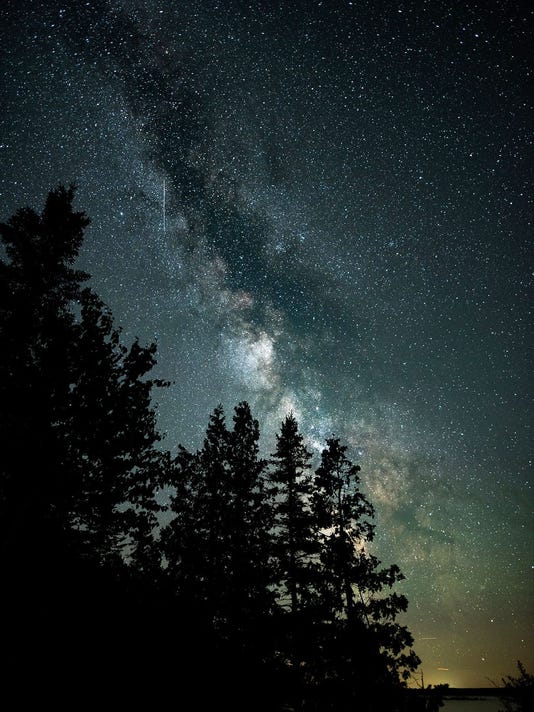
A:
164, 209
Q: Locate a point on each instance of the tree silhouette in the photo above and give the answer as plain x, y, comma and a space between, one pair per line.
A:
109, 434
37, 288
295, 551
218, 556
296, 538
79, 464
250, 575
250, 568
77, 425
343, 515
197, 539
519, 691
367, 650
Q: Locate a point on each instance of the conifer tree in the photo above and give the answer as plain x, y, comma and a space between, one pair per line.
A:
217, 554
196, 540
78, 464
295, 549
250, 522
344, 517
296, 532
37, 288
214, 502
217, 546
110, 436
365, 649
182, 538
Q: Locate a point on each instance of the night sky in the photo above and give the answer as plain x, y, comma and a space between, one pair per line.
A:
346, 233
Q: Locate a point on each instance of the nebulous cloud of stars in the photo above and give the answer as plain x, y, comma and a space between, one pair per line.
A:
321, 208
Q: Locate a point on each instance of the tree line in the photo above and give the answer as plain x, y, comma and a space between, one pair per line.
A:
260, 590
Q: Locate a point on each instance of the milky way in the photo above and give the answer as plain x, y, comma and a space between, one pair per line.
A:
348, 222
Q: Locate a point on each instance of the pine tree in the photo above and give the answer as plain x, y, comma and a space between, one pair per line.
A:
217, 559
248, 649
214, 495
343, 515
182, 538
250, 573
294, 521
196, 540
109, 435
296, 535
217, 546
365, 649
296, 551
78, 466
37, 288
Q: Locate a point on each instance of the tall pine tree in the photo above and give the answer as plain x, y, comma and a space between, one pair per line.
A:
296, 532
217, 558
79, 466
250, 515
296, 555
196, 540
217, 547
38, 286
366, 651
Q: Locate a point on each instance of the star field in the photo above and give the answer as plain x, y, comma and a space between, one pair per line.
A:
348, 230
